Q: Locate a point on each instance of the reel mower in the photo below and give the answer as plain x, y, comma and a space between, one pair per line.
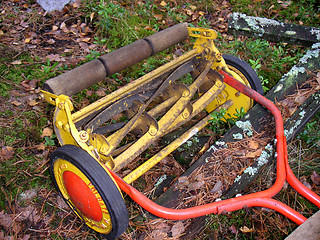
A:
92, 142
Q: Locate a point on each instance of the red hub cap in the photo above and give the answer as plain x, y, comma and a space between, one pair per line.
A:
82, 196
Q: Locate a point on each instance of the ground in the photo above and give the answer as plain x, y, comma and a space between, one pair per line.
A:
36, 45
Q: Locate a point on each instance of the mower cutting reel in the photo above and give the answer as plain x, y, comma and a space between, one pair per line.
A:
95, 138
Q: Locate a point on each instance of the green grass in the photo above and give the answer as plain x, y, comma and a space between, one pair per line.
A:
269, 60
297, 12
116, 24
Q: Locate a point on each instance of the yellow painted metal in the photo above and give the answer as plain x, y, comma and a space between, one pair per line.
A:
138, 172
240, 100
137, 84
178, 106
60, 166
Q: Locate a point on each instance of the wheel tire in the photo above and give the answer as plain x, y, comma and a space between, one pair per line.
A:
246, 70
89, 190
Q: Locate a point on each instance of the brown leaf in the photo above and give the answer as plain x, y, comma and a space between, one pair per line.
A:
101, 92
46, 132
163, 4
7, 152
51, 41
158, 16
318, 77
32, 103
5, 220
177, 229
303, 180
217, 187
61, 203
40, 147
245, 229
254, 154
315, 178
16, 62
16, 103
253, 145
196, 185
299, 99
233, 229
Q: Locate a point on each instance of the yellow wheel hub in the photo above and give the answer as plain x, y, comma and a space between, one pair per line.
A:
239, 100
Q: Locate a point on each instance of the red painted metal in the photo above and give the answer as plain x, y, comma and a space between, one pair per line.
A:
81, 196
258, 199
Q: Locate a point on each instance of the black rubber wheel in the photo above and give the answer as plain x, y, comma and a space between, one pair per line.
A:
246, 70
89, 190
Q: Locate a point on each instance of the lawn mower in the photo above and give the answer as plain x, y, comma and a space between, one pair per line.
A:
97, 143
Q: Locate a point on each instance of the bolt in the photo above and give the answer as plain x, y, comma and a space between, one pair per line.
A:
61, 105
66, 127
238, 94
84, 136
185, 114
59, 124
153, 131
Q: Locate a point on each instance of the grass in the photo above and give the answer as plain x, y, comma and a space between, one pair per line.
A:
116, 24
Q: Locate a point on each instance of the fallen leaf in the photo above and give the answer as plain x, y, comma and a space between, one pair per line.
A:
233, 229
196, 185
26, 237
163, 4
318, 77
183, 181
148, 28
158, 16
5, 220
40, 147
253, 145
217, 187
55, 28
46, 132
91, 16
16, 103
303, 180
159, 234
315, 178
17, 62
61, 203
7, 152
192, 7
28, 194
245, 229
300, 99
101, 92
177, 229
254, 154
32, 103
51, 41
